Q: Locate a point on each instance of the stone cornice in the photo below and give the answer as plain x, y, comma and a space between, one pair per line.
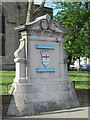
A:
44, 33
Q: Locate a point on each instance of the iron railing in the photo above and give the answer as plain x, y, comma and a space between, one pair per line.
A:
7, 86
81, 84
75, 85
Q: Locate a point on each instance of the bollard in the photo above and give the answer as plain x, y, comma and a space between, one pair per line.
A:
6, 88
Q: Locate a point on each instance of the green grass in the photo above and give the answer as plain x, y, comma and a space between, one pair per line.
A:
8, 77
81, 78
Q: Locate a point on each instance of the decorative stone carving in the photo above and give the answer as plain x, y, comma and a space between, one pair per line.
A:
44, 24
20, 52
52, 25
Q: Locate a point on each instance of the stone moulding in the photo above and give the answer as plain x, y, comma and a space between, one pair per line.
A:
45, 33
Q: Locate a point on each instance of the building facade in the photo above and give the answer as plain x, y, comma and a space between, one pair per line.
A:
12, 14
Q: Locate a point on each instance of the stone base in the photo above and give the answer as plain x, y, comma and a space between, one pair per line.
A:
42, 95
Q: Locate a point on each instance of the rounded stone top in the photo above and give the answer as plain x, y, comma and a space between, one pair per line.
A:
44, 17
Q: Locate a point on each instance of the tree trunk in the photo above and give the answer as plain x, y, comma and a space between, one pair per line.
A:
30, 11
69, 61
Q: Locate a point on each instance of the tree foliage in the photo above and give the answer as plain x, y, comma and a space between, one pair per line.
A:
75, 17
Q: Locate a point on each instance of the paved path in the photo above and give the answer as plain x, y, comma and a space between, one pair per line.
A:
81, 112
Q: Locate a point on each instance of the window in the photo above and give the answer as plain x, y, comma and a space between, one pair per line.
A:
2, 31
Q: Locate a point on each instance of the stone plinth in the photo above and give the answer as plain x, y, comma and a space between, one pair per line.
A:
41, 83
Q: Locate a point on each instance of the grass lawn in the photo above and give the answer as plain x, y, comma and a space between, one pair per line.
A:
79, 77
6, 77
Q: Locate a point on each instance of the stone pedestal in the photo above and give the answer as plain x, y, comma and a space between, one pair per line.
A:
41, 83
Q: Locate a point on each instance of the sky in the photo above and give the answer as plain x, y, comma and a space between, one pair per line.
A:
62, 1
49, 3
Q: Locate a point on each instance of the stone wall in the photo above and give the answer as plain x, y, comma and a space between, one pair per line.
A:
5, 103
13, 17
83, 96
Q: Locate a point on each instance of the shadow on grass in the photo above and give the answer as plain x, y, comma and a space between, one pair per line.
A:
79, 76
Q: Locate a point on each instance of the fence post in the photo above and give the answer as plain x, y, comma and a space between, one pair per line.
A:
74, 84
7, 88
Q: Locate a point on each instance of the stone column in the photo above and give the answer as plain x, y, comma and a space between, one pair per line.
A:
65, 62
61, 53
20, 60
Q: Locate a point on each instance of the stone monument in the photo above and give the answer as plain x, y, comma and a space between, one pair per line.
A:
41, 83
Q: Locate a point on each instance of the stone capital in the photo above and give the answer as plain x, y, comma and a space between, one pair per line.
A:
20, 60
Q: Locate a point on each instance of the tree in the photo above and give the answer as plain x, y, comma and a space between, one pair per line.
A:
76, 18
30, 11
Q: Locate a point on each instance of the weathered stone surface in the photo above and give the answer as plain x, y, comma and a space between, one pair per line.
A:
41, 84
